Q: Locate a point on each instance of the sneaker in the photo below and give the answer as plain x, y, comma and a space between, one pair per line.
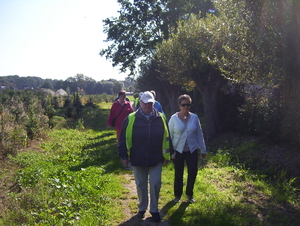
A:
190, 199
141, 214
176, 199
156, 217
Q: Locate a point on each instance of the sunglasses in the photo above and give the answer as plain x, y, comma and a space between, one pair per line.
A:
183, 105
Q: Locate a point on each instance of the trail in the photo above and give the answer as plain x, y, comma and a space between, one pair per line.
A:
131, 218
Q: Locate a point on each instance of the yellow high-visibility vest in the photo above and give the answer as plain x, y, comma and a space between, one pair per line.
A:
166, 138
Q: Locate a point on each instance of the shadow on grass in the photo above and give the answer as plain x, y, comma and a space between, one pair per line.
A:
166, 208
100, 152
135, 221
96, 119
178, 214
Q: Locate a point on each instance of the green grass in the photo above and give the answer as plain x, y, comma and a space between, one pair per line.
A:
78, 179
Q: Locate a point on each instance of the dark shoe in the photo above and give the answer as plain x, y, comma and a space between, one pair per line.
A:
176, 199
156, 217
141, 214
191, 199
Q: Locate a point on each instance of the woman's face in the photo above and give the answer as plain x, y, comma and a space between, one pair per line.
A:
122, 97
185, 105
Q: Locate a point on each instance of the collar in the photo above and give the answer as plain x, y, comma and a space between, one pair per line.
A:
147, 116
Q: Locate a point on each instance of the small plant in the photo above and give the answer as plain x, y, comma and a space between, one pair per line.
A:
284, 189
80, 124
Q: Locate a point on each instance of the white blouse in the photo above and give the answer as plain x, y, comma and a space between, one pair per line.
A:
189, 131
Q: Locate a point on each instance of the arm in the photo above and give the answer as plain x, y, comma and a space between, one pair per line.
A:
131, 108
200, 139
111, 115
171, 129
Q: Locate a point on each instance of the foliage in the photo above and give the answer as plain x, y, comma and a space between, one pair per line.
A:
20, 83
28, 115
256, 118
35, 122
166, 92
290, 125
77, 179
22, 119
141, 25
190, 57
244, 42
47, 85
80, 82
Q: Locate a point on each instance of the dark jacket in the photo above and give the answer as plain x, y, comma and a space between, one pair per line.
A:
147, 138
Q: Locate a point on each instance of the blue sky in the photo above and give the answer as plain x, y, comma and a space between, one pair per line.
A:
55, 39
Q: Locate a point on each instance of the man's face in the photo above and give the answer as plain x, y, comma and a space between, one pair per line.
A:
146, 108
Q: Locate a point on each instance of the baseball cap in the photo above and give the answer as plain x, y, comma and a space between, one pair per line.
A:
147, 97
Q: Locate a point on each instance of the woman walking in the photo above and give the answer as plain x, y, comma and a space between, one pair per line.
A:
118, 112
187, 137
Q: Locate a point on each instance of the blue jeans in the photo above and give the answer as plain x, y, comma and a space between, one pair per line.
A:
191, 160
141, 175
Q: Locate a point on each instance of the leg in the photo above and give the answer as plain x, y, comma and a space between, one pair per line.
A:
192, 165
179, 168
155, 185
141, 181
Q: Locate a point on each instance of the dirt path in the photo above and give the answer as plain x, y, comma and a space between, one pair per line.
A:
131, 218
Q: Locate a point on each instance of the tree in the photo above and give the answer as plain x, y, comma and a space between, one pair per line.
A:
143, 24
268, 55
150, 79
190, 58
117, 86
47, 85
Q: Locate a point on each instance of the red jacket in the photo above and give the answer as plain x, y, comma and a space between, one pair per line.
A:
115, 110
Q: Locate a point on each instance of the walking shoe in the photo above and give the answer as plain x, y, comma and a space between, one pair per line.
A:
141, 214
190, 199
176, 199
156, 217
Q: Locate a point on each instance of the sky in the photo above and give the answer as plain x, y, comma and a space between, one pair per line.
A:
55, 39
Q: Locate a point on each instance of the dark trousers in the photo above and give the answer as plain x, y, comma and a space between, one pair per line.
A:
192, 167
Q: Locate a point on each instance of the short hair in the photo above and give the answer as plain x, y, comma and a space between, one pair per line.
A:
153, 92
184, 97
122, 92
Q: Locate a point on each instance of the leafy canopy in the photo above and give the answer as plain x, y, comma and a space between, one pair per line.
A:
141, 25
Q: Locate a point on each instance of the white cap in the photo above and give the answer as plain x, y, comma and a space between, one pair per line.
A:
147, 97
140, 94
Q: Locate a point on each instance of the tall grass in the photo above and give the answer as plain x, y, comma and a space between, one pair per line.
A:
77, 179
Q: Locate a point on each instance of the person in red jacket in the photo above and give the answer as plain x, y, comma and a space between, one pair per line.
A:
118, 112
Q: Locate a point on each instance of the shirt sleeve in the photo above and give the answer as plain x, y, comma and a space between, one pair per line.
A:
200, 137
111, 115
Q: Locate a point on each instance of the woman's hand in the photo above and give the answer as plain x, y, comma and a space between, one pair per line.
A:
125, 162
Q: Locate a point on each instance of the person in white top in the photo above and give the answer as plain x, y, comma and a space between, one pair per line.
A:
187, 138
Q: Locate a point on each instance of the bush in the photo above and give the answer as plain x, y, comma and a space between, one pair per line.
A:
22, 117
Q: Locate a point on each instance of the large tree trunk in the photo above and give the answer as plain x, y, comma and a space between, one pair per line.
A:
209, 91
172, 93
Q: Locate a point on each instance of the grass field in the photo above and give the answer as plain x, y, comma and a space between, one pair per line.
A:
76, 178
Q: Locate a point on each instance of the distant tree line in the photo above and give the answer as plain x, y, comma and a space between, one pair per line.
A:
79, 82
